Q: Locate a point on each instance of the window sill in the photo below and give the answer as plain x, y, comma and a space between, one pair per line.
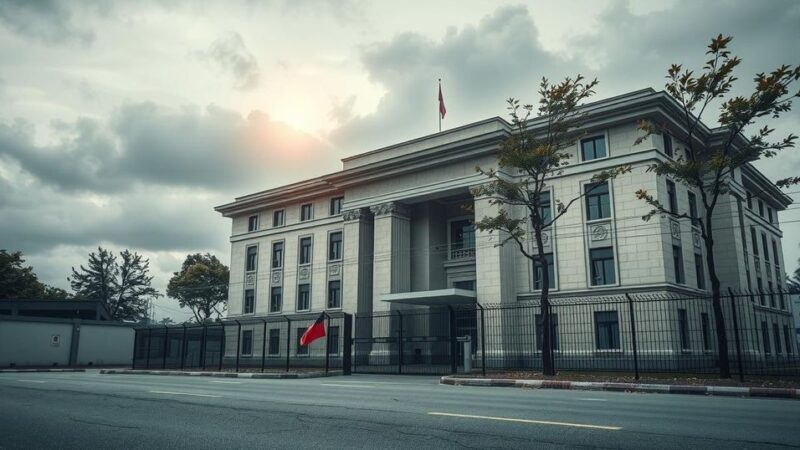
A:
338, 260
610, 351
600, 220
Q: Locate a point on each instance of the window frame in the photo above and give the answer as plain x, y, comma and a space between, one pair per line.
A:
272, 292
551, 266
336, 202
683, 330
613, 332
247, 258
244, 301
692, 199
699, 271
592, 275
278, 213
251, 221
672, 196
282, 244
277, 345
303, 207
339, 295
669, 149
594, 193
598, 136
331, 242
329, 343
678, 265
300, 250
299, 292
244, 350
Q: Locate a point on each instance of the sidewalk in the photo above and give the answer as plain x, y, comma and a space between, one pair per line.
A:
40, 370
260, 375
729, 391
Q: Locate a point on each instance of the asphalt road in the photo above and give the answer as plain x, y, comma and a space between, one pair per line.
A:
86, 410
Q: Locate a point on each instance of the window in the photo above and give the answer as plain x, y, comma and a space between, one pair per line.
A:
277, 254
777, 336
765, 338
545, 210
305, 250
692, 205
749, 201
334, 294
602, 266
247, 342
683, 328
760, 285
672, 197
462, 239
787, 339
277, 218
252, 223
706, 331
775, 255
699, 271
333, 340
677, 264
540, 331
667, 144
335, 246
771, 294
755, 241
336, 205
598, 202
251, 258
301, 349
276, 299
249, 301
606, 327
305, 212
769, 214
274, 342
537, 273
761, 207
593, 148
765, 247
303, 297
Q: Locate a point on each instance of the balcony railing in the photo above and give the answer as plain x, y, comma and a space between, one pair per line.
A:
462, 253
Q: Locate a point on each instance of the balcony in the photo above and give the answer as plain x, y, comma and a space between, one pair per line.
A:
455, 254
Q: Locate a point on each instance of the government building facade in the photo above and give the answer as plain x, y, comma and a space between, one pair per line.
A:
393, 230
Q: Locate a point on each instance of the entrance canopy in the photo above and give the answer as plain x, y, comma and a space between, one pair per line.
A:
438, 297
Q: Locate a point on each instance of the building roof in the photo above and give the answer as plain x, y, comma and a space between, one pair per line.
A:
76, 309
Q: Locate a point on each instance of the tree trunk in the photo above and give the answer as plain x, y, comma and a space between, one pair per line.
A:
716, 303
548, 366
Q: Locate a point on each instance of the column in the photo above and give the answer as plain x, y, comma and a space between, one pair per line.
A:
357, 257
392, 251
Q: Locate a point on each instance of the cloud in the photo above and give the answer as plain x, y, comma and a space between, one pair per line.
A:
231, 55
150, 144
48, 21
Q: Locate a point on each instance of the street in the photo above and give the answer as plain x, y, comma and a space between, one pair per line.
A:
86, 410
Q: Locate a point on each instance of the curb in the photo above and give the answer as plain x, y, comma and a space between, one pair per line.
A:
725, 391
267, 375
40, 370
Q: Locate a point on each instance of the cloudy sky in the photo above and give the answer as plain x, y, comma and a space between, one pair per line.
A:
124, 123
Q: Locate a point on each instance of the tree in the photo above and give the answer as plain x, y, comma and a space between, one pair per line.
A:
201, 285
18, 281
526, 161
712, 158
166, 321
124, 288
793, 282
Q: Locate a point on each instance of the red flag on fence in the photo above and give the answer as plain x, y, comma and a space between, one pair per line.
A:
315, 331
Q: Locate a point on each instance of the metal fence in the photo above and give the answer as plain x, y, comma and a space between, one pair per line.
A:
631, 333
245, 344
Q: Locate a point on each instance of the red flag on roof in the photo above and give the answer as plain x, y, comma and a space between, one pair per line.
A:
442, 109
315, 331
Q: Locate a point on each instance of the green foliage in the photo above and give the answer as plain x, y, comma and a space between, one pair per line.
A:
124, 288
201, 285
166, 321
18, 281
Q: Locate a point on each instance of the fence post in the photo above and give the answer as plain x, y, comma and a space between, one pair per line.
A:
327, 342
203, 344
238, 342
633, 336
288, 340
736, 334
399, 342
149, 344
483, 340
164, 350
135, 345
453, 341
183, 345
221, 346
264, 345
347, 344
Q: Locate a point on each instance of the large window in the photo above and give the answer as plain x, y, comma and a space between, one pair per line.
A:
462, 239
602, 260
335, 246
755, 242
765, 338
274, 342
277, 254
277, 218
668, 145
699, 271
333, 340
251, 258
769, 214
301, 349
765, 247
252, 223
598, 201
683, 328
787, 339
677, 264
303, 297
706, 327
334, 294
692, 206
672, 197
306, 212
606, 327
336, 205
777, 336
537, 273
247, 342
761, 208
305, 250
593, 148
545, 209
249, 301
276, 299
540, 331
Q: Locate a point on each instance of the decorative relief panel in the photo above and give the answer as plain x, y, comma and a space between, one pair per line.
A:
599, 232
355, 214
696, 239
304, 273
277, 277
250, 279
675, 230
334, 270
